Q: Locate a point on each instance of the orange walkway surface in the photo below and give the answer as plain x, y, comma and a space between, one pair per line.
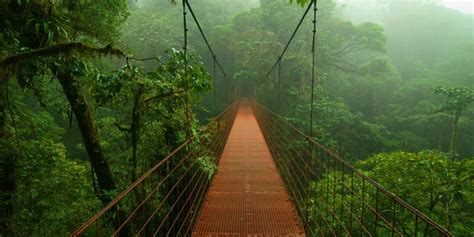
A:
247, 196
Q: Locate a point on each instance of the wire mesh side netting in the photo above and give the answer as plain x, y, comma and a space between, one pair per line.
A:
167, 199
332, 197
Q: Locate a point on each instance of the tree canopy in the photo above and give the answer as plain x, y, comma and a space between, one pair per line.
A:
94, 93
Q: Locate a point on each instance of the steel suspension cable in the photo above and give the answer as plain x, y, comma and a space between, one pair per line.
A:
313, 74
278, 86
214, 81
204, 37
288, 43
313, 65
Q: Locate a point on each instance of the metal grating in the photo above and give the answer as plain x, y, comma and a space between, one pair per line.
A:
247, 196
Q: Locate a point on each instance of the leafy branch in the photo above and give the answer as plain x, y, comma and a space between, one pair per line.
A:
60, 48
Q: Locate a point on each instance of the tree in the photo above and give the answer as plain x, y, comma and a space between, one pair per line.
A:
431, 182
457, 99
139, 100
40, 41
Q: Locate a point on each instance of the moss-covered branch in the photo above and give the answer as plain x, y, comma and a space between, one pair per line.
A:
61, 48
161, 96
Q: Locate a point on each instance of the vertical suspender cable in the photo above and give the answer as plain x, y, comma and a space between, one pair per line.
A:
278, 86
313, 49
313, 74
214, 86
275, 89
185, 49
217, 64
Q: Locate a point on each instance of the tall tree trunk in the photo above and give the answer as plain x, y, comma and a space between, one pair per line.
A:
7, 166
454, 133
90, 137
135, 127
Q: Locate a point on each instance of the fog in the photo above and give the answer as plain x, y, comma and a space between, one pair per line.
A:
377, 62
95, 93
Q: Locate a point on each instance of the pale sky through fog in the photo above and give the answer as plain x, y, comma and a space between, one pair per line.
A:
466, 6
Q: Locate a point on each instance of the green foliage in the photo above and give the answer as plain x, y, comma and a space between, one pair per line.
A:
373, 92
428, 180
53, 192
208, 165
158, 99
48, 162
59, 21
339, 43
457, 98
301, 2
431, 182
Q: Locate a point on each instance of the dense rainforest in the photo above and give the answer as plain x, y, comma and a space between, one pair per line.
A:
94, 93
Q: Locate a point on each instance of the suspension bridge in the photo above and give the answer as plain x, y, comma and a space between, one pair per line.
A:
271, 180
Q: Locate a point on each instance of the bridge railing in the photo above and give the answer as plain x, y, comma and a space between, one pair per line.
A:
167, 199
331, 196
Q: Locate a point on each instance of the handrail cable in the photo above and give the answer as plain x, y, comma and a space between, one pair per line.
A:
349, 167
290, 131
86, 225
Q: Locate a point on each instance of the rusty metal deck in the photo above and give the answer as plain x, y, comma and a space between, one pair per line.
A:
247, 196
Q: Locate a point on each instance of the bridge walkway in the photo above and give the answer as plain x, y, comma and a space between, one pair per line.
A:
247, 196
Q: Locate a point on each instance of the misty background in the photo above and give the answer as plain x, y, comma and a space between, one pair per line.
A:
393, 93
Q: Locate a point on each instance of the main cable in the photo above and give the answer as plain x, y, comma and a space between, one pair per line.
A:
205, 38
288, 44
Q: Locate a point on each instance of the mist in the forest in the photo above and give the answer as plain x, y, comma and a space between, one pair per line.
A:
426, 31
377, 65
95, 93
